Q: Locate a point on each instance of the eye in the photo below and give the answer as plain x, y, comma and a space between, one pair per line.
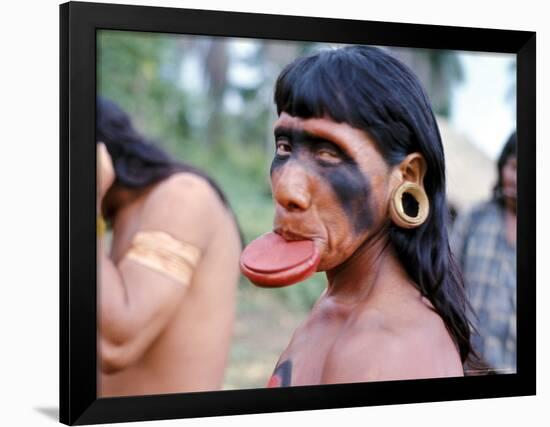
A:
328, 155
283, 147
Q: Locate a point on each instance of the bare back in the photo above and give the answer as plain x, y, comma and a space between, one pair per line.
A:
190, 350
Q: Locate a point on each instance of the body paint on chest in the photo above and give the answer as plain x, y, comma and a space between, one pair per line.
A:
282, 376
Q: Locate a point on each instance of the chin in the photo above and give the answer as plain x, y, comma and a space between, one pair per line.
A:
322, 267
328, 263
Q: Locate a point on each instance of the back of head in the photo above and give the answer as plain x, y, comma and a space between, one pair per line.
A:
509, 150
137, 161
372, 91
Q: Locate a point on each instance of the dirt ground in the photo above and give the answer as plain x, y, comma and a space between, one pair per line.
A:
263, 329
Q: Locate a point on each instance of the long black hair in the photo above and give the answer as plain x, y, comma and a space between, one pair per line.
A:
370, 90
509, 150
138, 161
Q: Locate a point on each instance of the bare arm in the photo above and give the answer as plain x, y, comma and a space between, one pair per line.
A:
137, 302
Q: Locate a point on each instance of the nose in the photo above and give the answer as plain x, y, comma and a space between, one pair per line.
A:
291, 188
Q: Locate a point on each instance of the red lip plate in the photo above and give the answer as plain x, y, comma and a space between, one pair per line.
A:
272, 261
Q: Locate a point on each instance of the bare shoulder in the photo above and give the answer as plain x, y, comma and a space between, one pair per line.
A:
187, 187
184, 205
378, 347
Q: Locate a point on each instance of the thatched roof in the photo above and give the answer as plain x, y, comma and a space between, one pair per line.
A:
471, 174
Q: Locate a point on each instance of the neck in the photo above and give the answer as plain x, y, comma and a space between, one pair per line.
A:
373, 268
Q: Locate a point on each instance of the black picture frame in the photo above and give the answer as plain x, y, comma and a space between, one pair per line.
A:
78, 25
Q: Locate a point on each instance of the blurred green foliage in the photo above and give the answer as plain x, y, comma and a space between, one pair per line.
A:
137, 71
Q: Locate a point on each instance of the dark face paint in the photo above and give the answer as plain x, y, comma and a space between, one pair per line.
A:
345, 178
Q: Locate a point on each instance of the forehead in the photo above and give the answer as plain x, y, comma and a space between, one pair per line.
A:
356, 143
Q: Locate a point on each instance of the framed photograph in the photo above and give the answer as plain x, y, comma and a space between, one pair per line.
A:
265, 213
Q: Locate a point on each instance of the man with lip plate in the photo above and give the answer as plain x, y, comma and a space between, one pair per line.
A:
358, 182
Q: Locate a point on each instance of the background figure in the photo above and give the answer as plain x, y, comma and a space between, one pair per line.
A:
484, 243
168, 278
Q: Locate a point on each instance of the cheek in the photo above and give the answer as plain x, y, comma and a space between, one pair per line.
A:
353, 193
340, 236
509, 176
276, 164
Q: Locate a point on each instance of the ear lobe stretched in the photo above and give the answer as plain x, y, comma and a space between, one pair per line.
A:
400, 213
408, 178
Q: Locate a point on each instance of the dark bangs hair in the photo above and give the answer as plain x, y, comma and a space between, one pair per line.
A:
509, 150
137, 161
370, 90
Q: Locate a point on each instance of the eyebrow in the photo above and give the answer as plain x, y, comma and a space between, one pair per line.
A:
300, 135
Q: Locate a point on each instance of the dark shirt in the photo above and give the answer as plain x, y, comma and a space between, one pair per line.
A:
488, 262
